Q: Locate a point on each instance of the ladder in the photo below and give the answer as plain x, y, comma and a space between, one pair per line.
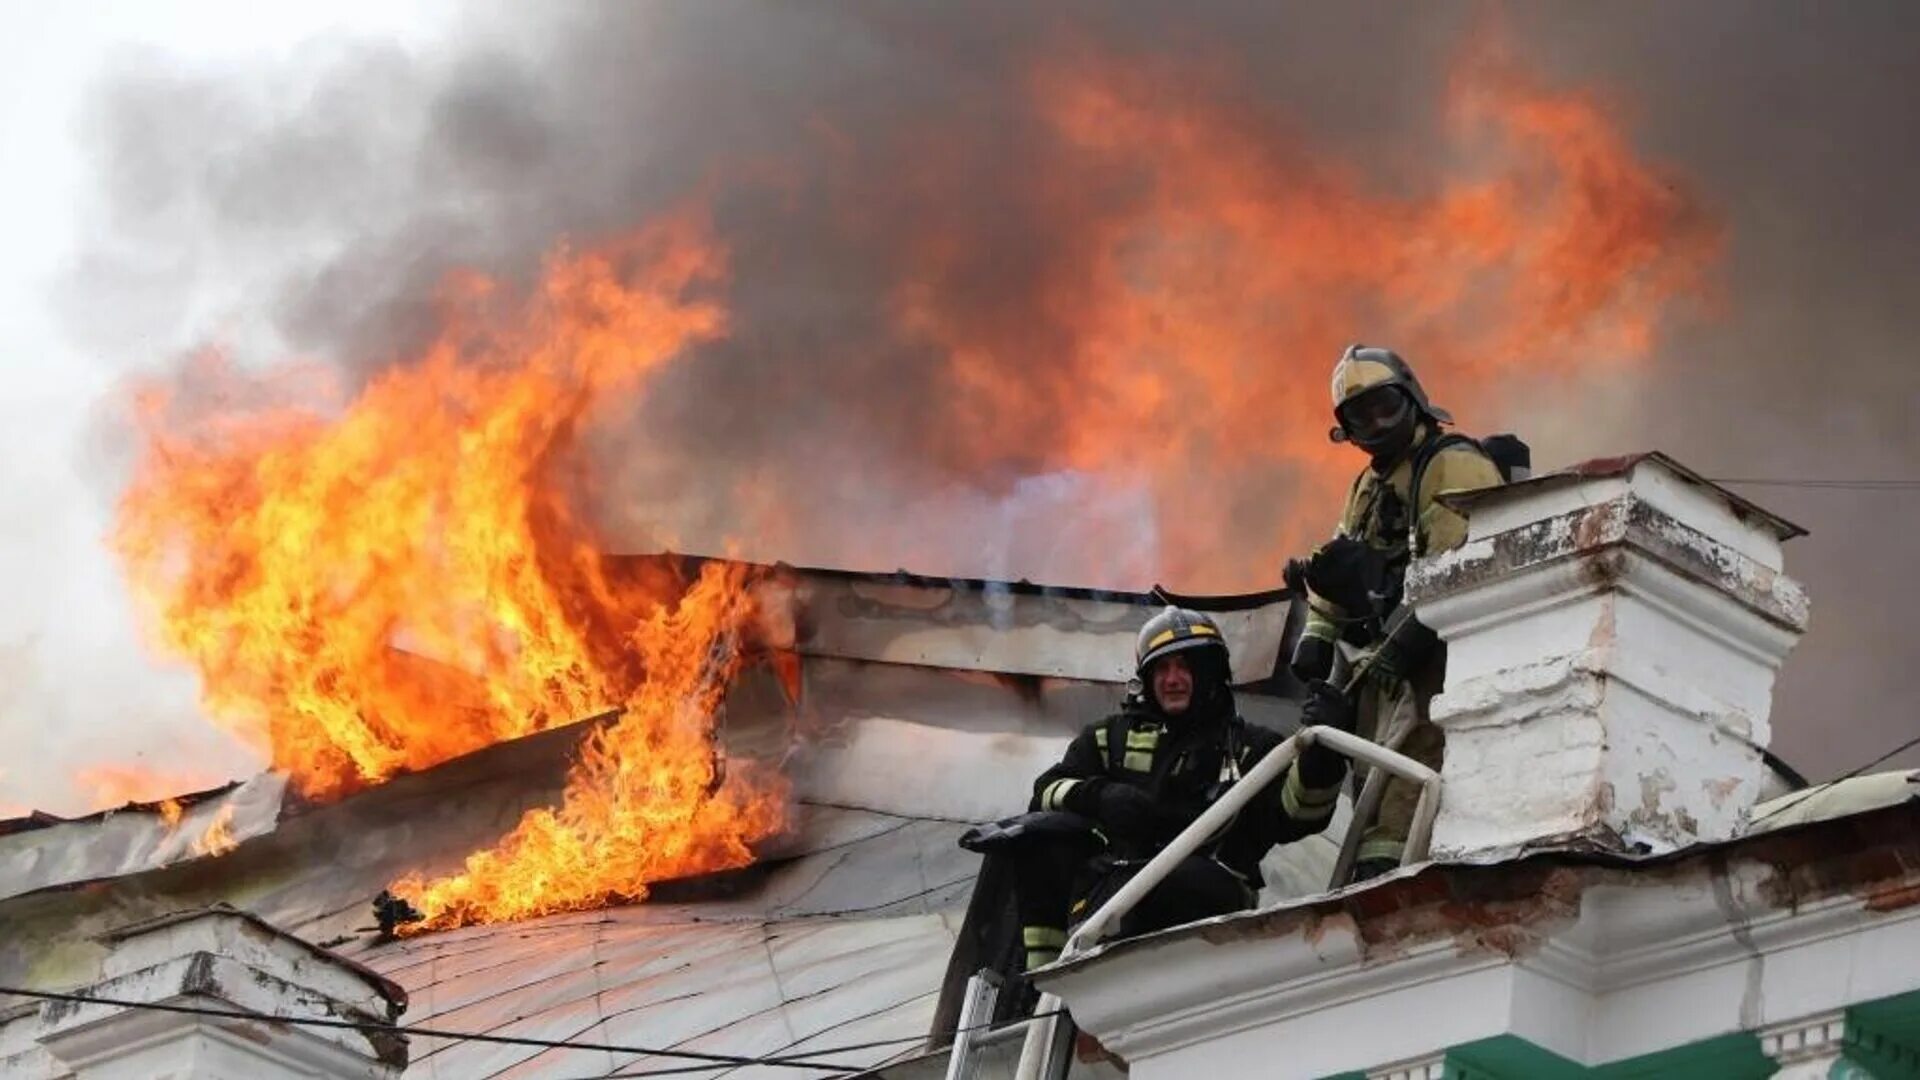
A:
972, 1035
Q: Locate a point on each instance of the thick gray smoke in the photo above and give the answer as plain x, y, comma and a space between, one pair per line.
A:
338, 190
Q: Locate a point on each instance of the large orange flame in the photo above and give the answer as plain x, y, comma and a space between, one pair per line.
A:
287, 552
292, 555
647, 800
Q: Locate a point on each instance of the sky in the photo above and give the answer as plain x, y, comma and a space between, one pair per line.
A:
77, 687
296, 182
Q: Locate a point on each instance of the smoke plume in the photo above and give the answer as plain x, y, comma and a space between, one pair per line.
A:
1052, 292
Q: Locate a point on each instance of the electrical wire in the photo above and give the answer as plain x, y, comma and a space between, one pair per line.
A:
708, 1062
1828, 484
845, 1048
714, 1060
1828, 786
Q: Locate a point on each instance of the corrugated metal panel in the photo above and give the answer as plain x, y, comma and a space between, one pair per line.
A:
846, 944
989, 626
984, 628
133, 840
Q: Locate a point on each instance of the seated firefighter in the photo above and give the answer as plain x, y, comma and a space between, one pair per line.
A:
1132, 782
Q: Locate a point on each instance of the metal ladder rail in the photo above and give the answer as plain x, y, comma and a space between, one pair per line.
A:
1042, 1036
973, 1033
983, 992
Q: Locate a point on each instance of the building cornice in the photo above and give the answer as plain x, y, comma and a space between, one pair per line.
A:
1595, 927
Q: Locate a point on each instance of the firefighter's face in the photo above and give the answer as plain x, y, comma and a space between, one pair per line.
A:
1173, 684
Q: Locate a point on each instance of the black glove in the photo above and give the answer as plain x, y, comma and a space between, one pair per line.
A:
1339, 571
1326, 706
1125, 809
1397, 657
1388, 667
1294, 575
1312, 659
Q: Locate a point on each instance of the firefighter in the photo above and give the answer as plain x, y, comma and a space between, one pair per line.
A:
1142, 775
1353, 582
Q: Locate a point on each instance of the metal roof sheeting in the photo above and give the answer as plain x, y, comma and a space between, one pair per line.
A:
845, 945
133, 839
923, 705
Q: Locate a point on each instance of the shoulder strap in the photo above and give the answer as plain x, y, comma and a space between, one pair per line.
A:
1421, 459
1118, 725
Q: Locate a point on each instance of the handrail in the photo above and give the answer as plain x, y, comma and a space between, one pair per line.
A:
1216, 817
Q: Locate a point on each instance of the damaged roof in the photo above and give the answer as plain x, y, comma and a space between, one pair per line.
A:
922, 706
1851, 837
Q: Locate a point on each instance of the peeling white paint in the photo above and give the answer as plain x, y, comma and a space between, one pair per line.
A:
216, 959
1612, 646
1610, 965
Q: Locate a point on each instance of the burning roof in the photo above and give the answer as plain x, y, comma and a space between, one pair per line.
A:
895, 721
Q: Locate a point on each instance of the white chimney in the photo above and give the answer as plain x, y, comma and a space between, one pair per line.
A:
216, 959
1613, 633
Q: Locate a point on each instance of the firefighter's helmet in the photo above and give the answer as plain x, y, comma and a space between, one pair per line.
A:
1177, 630
1363, 368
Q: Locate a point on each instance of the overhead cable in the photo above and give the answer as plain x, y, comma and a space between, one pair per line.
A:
801, 1061
844, 1048
1830, 484
708, 1062
1850, 774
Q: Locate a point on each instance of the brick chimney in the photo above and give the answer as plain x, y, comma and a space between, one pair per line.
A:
217, 959
1613, 632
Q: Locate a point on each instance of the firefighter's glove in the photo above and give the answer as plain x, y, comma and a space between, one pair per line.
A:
1294, 575
1312, 659
1388, 668
1126, 810
1401, 654
1339, 572
1326, 706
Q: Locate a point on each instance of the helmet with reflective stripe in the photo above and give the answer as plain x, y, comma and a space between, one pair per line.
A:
1176, 630
1363, 368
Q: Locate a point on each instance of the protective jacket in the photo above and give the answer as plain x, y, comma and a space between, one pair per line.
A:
1397, 524
1185, 764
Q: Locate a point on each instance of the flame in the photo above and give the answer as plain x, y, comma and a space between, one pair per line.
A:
404, 573
290, 553
647, 799
217, 838
287, 551
170, 812
1211, 265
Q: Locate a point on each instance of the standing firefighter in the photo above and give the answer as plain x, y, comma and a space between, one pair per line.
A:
1134, 781
1355, 579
